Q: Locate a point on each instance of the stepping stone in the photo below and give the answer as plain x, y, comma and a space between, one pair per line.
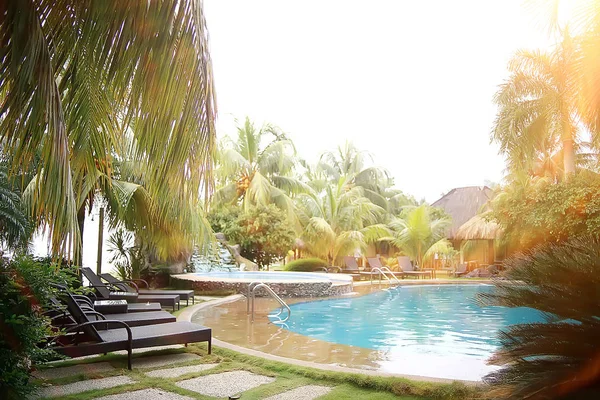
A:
63, 372
145, 394
160, 361
225, 384
84, 386
178, 371
308, 392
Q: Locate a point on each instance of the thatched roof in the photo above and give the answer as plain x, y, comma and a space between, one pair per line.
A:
463, 204
478, 228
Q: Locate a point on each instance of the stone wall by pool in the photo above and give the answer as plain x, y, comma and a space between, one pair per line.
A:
285, 287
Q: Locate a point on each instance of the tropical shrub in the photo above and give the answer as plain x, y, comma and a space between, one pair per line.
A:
539, 211
305, 265
127, 258
266, 234
263, 232
559, 358
24, 292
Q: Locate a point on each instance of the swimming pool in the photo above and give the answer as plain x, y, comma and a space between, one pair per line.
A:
431, 330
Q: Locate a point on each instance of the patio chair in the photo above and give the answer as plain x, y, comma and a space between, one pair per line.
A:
63, 319
375, 262
409, 269
93, 336
461, 269
104, 291
351, 268
133, 287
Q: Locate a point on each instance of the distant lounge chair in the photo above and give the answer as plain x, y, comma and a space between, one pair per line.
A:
104, 291
127, 286
86, 339
461, 269
408, 269
351, 267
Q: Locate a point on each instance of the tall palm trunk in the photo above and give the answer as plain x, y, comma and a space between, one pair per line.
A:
78, 247
568, 148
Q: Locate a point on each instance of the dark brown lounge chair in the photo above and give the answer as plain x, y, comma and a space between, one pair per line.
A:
352, 268
130, 308
461, 269
104, 291
408, 269
92, 337
133, 286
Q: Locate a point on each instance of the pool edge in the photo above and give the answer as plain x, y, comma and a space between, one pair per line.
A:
188, 313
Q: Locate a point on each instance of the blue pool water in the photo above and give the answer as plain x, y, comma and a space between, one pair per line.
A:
437, 328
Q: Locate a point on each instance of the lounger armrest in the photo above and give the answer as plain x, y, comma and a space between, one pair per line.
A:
78, 328
96, 313
141, 280
80, 297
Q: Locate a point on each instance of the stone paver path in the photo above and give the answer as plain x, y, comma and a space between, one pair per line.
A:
83, 386
168, 359
175, 372
63, 372
308, 392
146, 394
225, 384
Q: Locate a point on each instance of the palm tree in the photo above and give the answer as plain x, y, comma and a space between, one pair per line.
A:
339, 221
77, 77
255, 175
557, 358
419, 232
538, 108
15, 229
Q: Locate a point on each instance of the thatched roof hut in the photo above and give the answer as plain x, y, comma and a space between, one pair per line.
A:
478, 228
462, 204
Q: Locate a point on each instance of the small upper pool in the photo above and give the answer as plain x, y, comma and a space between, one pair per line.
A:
287, 284
436, 331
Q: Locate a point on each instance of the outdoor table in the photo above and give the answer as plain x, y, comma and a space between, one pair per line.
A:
110, 306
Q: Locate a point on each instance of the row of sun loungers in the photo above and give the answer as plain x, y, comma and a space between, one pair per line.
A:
85, 331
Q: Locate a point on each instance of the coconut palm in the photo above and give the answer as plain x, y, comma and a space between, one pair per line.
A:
255, 173
339, 221
349, 162
77, 76
538, 111
419, 232
556, 358
15, 229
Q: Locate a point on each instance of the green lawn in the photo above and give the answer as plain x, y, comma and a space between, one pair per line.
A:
346, 386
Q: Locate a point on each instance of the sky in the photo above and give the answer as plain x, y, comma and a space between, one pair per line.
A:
411, 82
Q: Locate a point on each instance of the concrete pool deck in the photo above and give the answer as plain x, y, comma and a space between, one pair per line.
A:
235, 332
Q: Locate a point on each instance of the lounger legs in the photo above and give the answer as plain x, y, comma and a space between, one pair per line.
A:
129, 355
209, 346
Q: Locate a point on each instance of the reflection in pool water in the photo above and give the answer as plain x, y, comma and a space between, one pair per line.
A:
436, 331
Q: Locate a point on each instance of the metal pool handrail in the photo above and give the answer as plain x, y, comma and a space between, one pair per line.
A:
381, 272
256, 285
386, 269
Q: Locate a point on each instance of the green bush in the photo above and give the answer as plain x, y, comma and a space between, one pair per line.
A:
24, 292
305, 265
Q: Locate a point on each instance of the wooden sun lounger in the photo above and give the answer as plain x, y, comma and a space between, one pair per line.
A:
91, 337
104, 291
133, 287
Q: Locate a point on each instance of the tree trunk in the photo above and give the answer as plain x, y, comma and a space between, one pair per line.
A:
568, 149
78, 256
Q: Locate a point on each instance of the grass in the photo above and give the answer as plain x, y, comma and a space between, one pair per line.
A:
345, 385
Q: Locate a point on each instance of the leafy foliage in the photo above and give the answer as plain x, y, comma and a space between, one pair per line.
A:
263, 232
24, 293
79, 87
536, 211
420, 232
557, 359
127, 257
306, 265
15, 227
339, 221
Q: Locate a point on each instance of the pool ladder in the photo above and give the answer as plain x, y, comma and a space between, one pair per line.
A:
382, 271
250, 298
